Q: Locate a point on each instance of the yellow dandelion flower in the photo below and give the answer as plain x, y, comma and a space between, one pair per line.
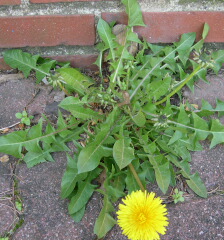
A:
142, 216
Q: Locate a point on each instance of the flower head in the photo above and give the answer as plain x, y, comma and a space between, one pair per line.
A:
142, 216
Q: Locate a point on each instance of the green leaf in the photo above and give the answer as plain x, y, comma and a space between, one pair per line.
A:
19, 115
219, 107
193, 181
75, 106
200, 123
25, 62
139, 119
43, 70
160, 88
218, 58
90, 156
134, 13
104, 221
205, 31
85, 191
12, 143
182, 47
107, 36
62, 125
77, 216
217, 130
196, 184
19, 206
122, 153
70, 179
75, 79
26, 121
162, 173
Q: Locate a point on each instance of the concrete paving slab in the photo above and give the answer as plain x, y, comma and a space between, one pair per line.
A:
45, 213
14, 97
6, 210
7, 217
200, 219
210, 164
208, 92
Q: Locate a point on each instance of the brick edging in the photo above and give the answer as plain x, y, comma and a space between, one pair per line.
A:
166, 27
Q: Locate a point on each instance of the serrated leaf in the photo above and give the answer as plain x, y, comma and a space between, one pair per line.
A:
150, 172
185, 49
104, 221
218, 133
25, 62
70, 178
90, 156
160, 88
134, 13
107, 36
122, 153
131, 183
162, 173
62, 125
193, 181
43, 70
139, 119
218, 58
219, 107
85, 191
200, 123
184, 45
75, 106
196, 184
75, 79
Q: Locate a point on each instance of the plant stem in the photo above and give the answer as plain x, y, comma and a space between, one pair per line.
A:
180, 86
136, 177
64, 90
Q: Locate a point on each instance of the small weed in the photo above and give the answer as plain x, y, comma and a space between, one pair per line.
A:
25, 119
178, 196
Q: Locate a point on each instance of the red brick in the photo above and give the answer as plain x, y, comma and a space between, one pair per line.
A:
47, 30
78, 61
10, 2
167, 27
53, 1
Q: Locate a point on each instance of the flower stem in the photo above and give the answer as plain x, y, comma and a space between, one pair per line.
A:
136, 177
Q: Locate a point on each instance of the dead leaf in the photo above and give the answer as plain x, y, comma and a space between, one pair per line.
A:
4, 158
5, 130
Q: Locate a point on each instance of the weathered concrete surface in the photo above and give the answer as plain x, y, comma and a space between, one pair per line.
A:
46, 215
6, 210
17, 94
209, 92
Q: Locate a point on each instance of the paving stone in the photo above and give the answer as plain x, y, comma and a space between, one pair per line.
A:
46, 215
5, 178
14, 96
208, 92
209, 163
6, 217
6, 212
201, 219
